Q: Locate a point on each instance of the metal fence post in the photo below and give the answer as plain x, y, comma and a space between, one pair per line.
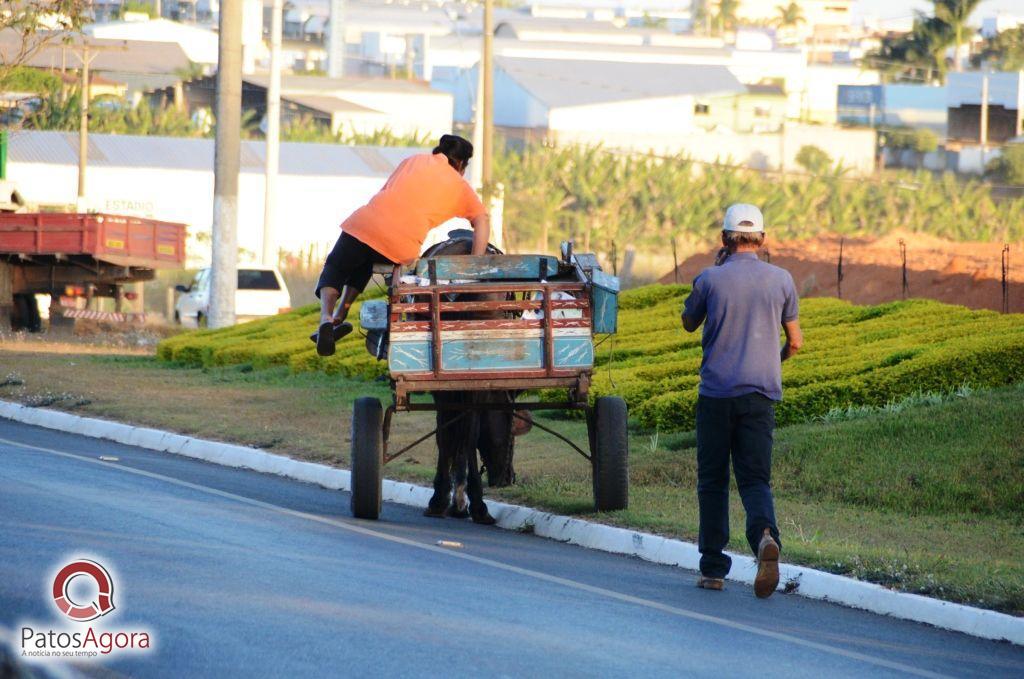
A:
839, 270
903, 258
1005, 262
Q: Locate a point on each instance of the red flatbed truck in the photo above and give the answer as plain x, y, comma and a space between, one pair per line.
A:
78, 255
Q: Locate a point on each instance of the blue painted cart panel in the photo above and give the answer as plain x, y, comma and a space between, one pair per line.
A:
605, 304
490, 267
490, 354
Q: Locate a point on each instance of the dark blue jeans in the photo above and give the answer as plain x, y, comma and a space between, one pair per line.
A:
740, 428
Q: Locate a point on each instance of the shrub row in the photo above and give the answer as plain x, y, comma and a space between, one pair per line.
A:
854, 355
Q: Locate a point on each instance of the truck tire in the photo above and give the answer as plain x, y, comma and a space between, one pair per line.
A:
610, 454
26, 314
367, 460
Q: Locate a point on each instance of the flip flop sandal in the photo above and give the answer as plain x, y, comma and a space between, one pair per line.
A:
327, 335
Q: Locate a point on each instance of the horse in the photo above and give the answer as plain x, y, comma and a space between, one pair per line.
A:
465, 429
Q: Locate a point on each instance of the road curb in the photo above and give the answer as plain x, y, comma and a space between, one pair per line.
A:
808, 582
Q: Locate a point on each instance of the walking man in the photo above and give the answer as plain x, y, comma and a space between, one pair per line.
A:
741, 301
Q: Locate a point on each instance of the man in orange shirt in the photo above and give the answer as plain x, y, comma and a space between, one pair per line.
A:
424, 190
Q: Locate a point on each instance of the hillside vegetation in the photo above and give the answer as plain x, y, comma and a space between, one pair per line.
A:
854, 355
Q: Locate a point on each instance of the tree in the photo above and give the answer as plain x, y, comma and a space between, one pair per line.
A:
135, 6
814, 160
1009, 166
955, 14
1003, 51
36, 24
916, 56
727, 15
789, 16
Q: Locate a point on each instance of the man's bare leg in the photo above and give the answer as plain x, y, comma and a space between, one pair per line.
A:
332, 318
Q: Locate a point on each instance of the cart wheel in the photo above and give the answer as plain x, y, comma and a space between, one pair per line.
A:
367, 457
609, 451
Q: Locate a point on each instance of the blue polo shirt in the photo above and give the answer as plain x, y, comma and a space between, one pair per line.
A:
743, 304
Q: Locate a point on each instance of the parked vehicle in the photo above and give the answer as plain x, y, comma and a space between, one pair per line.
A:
261, 292
71, 256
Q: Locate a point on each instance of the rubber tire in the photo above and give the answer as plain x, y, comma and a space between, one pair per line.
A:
610, 454
367, 457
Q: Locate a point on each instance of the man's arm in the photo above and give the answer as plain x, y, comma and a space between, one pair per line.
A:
794, 338
481, 233
690, 324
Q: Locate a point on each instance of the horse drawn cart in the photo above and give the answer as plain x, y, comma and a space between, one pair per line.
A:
516, 324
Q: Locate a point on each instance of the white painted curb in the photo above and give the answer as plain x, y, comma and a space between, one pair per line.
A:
811, 583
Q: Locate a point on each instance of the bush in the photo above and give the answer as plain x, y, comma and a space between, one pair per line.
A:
854, 355
814, 160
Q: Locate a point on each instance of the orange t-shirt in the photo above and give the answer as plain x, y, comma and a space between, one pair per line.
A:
422, 192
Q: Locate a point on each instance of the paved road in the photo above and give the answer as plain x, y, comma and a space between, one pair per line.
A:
242, 574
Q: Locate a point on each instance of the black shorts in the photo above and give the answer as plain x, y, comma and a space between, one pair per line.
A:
349, 263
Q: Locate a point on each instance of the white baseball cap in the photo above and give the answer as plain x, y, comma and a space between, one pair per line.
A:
744, 218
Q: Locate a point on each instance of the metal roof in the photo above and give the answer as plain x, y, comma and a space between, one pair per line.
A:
137, 56
328, 104
183, 153
561, 83
314, 84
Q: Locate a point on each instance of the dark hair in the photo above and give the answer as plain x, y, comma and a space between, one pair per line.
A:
734, 239
457, 150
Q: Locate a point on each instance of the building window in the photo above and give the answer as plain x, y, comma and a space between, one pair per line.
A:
762, 112
701, 109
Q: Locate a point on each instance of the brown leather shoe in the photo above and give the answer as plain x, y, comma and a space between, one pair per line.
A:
717, 584
767, 579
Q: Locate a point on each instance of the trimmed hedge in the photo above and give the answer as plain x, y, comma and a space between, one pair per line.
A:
853, 355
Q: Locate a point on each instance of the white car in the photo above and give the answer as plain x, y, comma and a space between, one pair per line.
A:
261, 292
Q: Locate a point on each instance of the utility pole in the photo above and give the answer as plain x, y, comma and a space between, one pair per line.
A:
336, 44
227, 150
983, 123
273, 138
1019, 129
488, 99
83, 126
85, 57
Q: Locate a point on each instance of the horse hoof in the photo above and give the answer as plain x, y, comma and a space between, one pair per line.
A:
456, 513
484, 519
434, 512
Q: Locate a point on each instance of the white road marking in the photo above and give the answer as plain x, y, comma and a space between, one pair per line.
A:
353, 527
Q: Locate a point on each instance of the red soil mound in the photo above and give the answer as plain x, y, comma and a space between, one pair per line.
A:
956, 273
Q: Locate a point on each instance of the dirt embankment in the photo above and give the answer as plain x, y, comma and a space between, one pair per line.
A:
957, 273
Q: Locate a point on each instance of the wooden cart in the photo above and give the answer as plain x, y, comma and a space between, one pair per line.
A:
513, 323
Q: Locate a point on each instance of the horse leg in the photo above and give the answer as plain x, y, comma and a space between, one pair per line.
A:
447, 447
459, 508
477, 507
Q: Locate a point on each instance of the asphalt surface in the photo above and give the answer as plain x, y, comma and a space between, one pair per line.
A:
242, 574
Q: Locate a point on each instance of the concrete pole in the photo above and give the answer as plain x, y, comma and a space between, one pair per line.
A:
336, 45
273, 141
83, 129
488, 99
476, 172
227, 151
1019, 129
983, 123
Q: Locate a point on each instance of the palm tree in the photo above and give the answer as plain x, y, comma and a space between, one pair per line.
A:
789, 16
955, 14
726, 17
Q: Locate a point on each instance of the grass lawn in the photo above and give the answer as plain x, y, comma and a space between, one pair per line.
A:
927, 499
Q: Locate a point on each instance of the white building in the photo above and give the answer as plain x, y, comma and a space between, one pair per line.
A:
597, 101
198, 43
172, 179
1003, 21
368, 104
